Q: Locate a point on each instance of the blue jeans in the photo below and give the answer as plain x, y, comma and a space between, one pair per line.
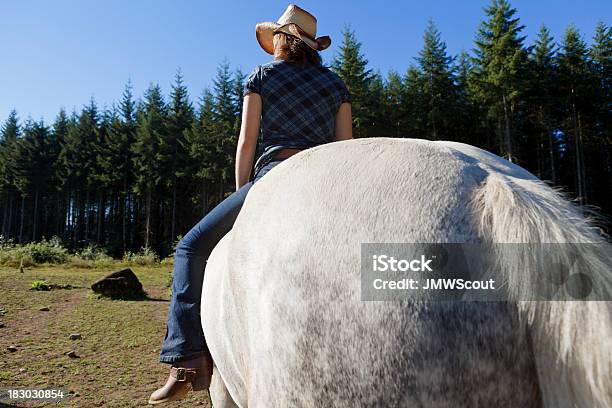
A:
184, 338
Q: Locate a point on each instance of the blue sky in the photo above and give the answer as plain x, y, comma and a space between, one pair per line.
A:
61, 53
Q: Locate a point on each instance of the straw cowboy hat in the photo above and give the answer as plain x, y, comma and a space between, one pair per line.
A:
296, 22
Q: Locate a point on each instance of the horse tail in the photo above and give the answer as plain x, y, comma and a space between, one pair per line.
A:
570, 339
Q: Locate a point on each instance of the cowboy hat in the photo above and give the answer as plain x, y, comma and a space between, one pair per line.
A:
296, 22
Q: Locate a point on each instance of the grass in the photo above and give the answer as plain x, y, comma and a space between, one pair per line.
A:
117, 364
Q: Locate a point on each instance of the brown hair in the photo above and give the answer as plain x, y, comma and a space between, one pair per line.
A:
293, 49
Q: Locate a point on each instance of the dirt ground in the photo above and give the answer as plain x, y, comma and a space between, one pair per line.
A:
116, 363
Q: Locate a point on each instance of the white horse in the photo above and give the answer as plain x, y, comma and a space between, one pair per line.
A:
283, 315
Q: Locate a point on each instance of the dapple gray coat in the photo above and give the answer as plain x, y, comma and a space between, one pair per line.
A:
281, 307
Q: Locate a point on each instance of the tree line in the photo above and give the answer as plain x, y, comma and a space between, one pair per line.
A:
144, 171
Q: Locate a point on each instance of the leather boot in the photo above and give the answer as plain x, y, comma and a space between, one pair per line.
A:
182, 378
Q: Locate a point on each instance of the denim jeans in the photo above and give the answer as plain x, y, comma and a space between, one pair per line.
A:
184, 338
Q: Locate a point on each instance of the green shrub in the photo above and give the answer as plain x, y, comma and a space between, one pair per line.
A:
78, 262
15, 257
91, 257
167, 261
24, 260
93, 253
146, 256
6, 243
40, 285
53, 252
45, 251
8, 252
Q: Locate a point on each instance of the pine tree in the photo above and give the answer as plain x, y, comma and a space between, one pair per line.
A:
151, 128
66, 176
543, 97
103, 176
9, 133
436, 67
463, 69
395, 100
172, 156
78, 163
34, 160
601, 57
201, 143
92, 137
238, 82
500, 62
416, 119
351, 66
127, 134
377, 112
469, 123
10, 129
575, 79
224, 118
58, 139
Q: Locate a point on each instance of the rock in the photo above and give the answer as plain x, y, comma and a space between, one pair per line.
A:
12, 349
21, 370
2, 325
75, 336
72, 354
44, 309
122, 284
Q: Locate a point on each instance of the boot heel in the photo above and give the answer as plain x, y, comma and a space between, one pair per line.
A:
200, 383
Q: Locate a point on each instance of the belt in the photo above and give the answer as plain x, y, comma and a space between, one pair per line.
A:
286, 153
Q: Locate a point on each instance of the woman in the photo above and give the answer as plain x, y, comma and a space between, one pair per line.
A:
299, 104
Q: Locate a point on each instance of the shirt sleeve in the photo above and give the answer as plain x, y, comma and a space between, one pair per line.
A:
345, 94
253, 82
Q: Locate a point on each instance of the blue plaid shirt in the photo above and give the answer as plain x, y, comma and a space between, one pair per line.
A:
299, 105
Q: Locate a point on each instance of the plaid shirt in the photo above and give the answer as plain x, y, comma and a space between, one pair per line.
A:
299, 105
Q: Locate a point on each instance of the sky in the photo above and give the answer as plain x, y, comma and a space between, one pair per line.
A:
62, 53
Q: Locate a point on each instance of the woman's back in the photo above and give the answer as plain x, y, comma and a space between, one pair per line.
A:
299, 105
